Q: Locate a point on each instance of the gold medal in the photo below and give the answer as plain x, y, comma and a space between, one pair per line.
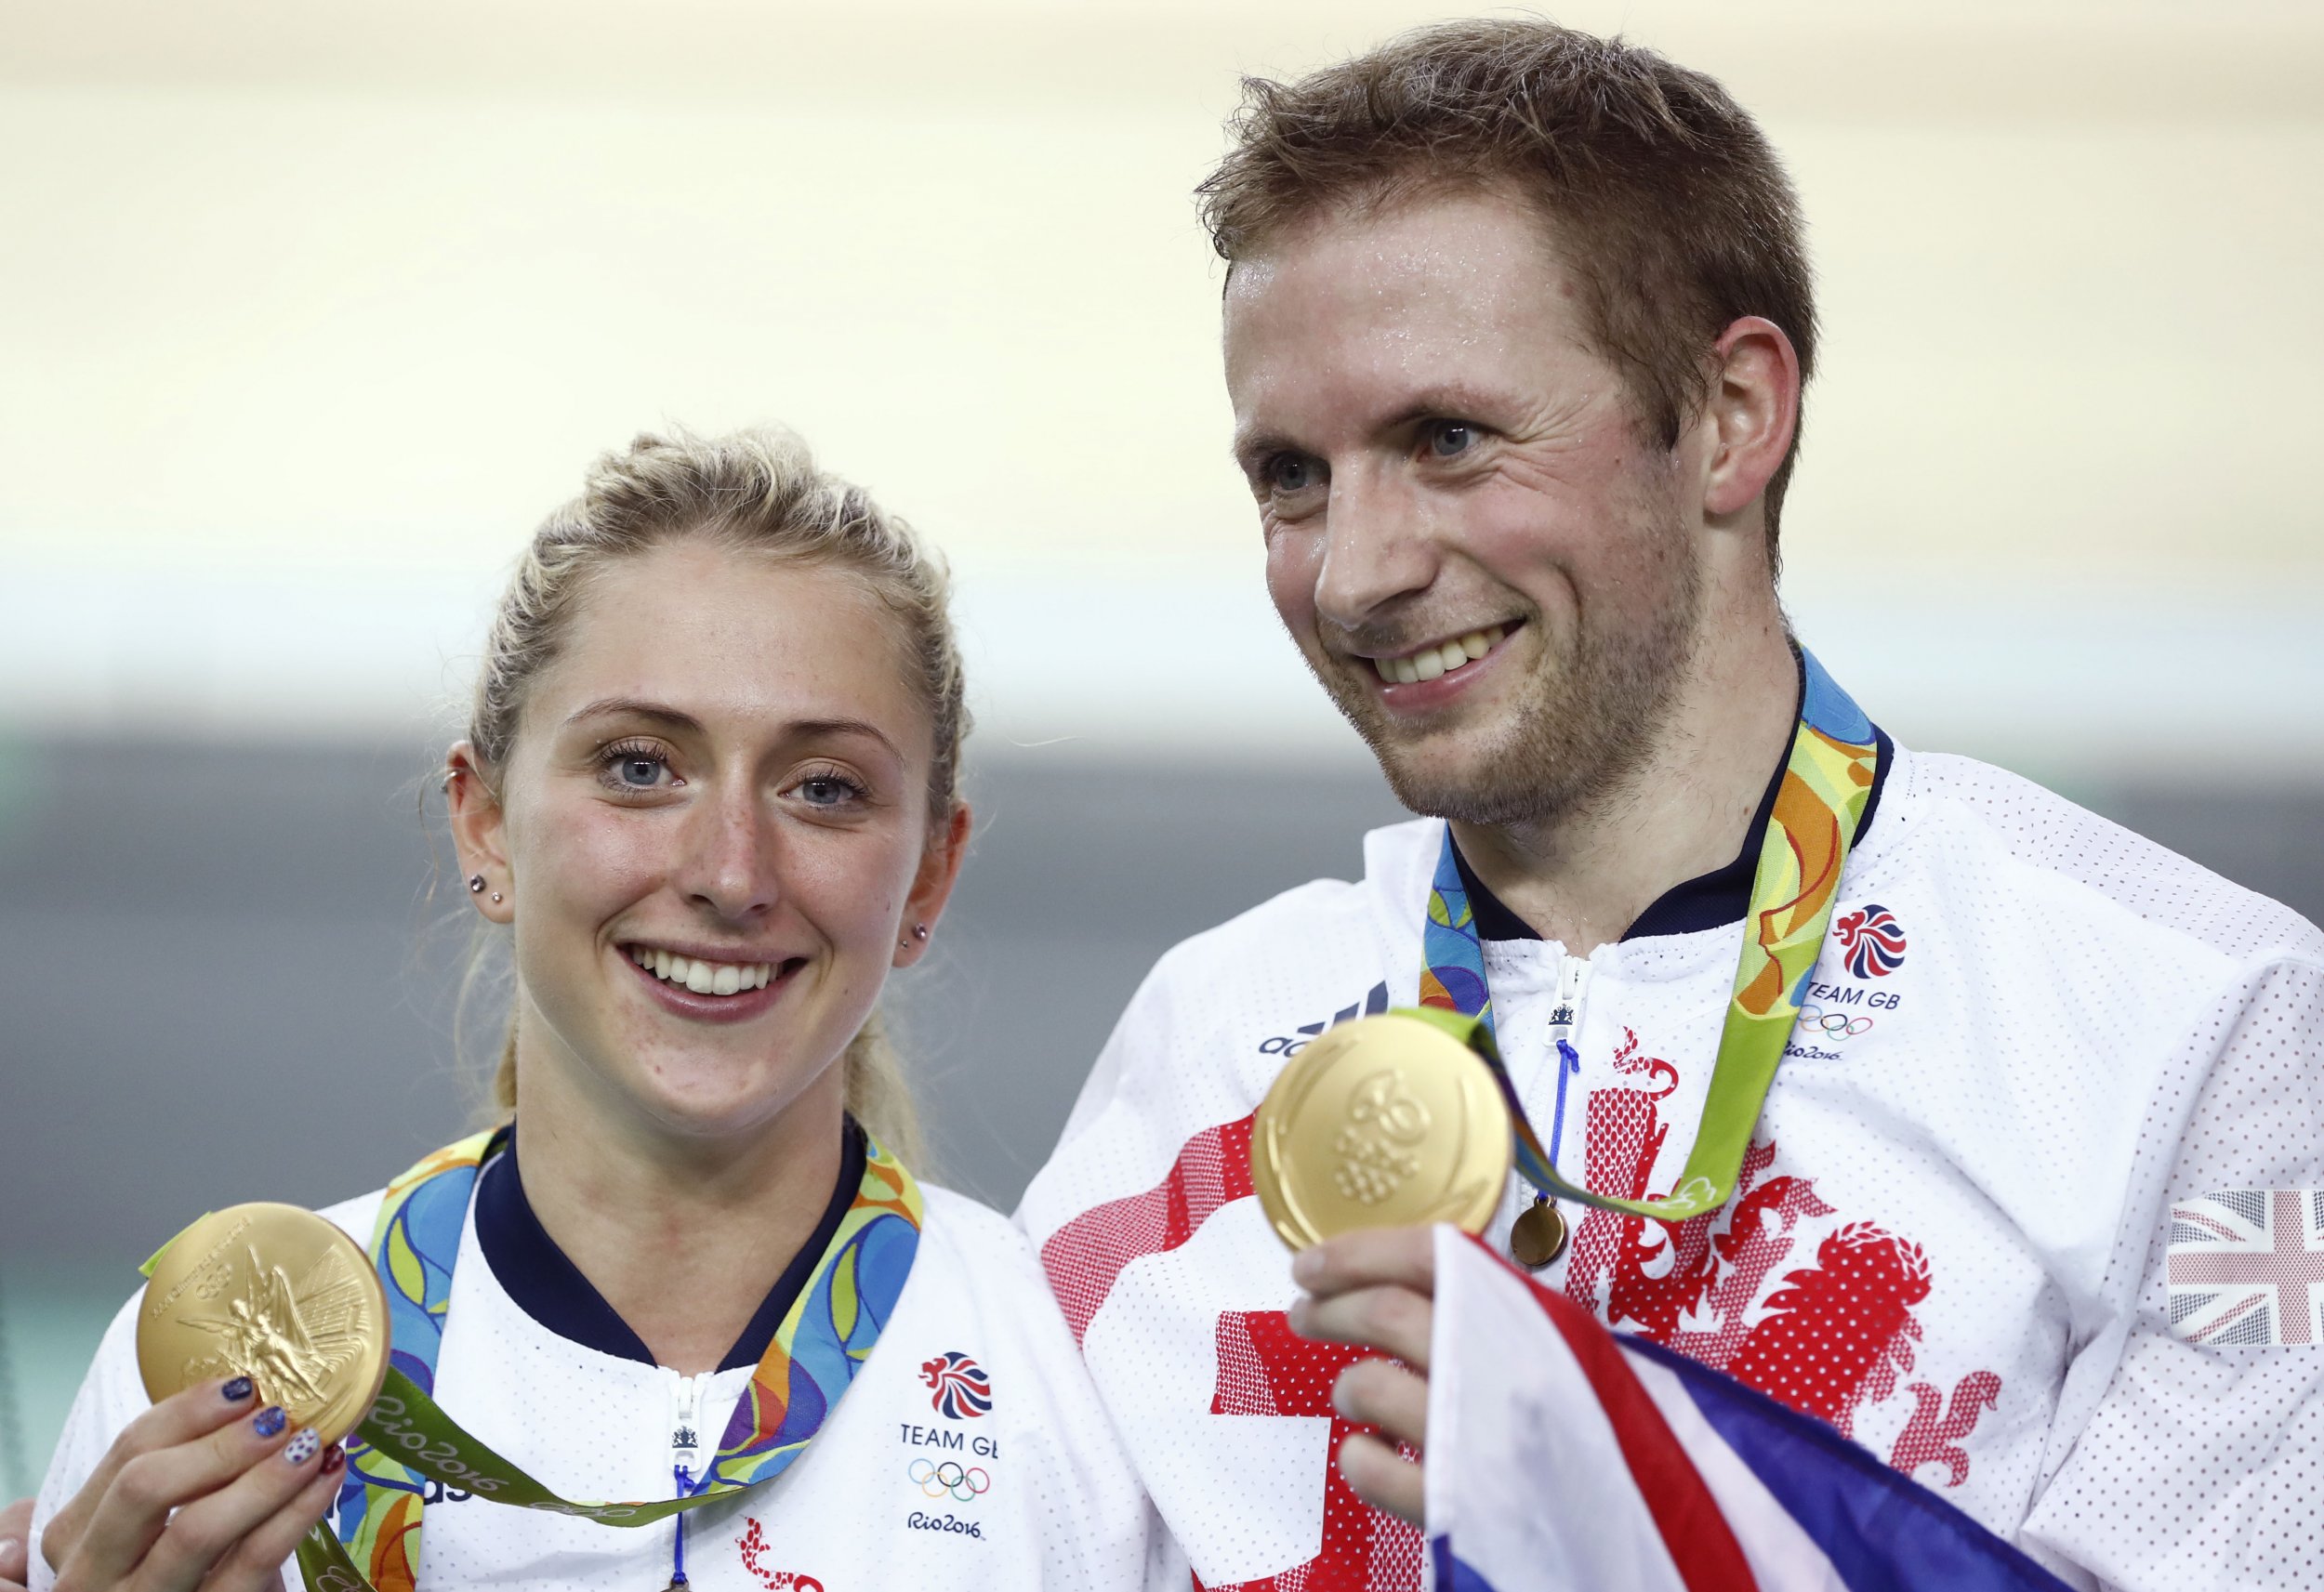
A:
275, 1294
1382, 1122
1537, 1235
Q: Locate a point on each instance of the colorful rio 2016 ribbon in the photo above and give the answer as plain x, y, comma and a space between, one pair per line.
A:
407, 1440
1835, 753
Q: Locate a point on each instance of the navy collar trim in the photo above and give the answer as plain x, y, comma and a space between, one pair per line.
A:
1707, 900
547, 1286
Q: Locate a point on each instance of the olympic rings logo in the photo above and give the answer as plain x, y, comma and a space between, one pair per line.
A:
1838, 1024
938, 1479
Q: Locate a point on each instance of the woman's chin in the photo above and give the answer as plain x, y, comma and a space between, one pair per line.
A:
707, 1100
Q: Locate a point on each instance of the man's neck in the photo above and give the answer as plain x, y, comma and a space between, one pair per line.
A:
683, 1236
1584, 877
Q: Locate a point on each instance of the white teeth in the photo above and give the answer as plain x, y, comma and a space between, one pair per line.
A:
1432, 663
702, 977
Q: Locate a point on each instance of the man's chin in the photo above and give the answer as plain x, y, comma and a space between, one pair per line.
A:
1444, 773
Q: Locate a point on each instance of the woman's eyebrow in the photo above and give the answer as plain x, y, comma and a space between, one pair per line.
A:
633, 707
659, 713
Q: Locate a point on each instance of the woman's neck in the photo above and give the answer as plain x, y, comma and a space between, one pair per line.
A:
683, 1236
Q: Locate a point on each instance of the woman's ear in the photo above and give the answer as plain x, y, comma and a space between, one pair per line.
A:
932, 887
479, 833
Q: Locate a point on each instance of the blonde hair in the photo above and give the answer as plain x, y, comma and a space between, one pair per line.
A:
757, 490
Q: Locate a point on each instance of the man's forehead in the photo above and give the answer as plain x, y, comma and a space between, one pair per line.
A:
1391, 306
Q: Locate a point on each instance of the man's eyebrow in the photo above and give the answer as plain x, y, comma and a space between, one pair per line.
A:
1450, 402
1250, 447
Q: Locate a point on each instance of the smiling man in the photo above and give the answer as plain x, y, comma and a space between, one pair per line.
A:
1920, 1057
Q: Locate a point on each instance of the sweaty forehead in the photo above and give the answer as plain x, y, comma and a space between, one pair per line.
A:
1420, 291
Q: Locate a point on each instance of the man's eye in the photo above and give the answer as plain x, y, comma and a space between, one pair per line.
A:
1448, 439
1291, 472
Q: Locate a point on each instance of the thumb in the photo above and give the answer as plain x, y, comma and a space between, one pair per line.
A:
16, 1526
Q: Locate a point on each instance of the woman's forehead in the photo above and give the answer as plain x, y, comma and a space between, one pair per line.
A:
736, 638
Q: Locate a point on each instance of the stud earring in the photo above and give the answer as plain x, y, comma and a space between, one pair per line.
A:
476, 884
495, 898
919, 932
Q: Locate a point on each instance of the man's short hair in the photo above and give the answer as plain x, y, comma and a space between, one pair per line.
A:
1664, 199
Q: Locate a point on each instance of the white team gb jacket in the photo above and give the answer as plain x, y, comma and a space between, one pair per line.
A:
2029, 1035
892, 1493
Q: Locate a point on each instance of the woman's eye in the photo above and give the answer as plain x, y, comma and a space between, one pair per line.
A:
1291, 473
828, 790
635, 768
1449, 438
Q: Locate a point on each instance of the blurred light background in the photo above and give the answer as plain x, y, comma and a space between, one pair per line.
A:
309, 310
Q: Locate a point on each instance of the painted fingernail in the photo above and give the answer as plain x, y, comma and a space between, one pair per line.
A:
269, 1421
234, 1392
303, 1446
333, 1458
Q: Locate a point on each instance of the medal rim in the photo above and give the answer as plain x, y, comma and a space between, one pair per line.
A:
353, 1391
1275, 1175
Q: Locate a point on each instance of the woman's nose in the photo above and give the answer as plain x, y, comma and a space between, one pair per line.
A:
731, 863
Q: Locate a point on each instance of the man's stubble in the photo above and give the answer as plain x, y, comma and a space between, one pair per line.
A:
1582, 727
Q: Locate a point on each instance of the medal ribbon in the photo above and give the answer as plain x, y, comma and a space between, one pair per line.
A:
407, 1440
1819, 802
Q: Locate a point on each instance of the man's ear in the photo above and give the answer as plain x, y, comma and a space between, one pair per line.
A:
1751, 413
932, 887
479, 833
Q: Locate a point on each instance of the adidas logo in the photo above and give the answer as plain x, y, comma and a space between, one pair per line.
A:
1291, 1044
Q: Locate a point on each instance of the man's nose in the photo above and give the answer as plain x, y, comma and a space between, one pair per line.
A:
730, 860
1376, 548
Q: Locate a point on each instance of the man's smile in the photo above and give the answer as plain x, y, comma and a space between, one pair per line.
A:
1435, 659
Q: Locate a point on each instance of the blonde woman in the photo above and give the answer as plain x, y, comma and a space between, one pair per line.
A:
709, 792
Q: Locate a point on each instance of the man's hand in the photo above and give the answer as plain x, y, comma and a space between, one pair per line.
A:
1376, 1290
16, 1535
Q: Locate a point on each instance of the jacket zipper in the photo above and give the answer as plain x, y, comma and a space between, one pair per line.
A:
1573, 985
685, 1450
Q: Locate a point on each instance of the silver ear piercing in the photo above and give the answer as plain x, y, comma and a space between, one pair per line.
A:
919, 932
476, 884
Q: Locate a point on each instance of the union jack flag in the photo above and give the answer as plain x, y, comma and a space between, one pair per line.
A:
2245, 1264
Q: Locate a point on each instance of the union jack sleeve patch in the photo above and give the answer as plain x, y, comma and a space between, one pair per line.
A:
2247, 1267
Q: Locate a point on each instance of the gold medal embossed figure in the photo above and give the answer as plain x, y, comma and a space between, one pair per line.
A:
275, 1294
1380, 1122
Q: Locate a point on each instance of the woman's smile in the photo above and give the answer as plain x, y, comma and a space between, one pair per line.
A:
703, 988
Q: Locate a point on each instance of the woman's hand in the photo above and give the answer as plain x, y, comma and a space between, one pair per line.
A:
203, 1490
